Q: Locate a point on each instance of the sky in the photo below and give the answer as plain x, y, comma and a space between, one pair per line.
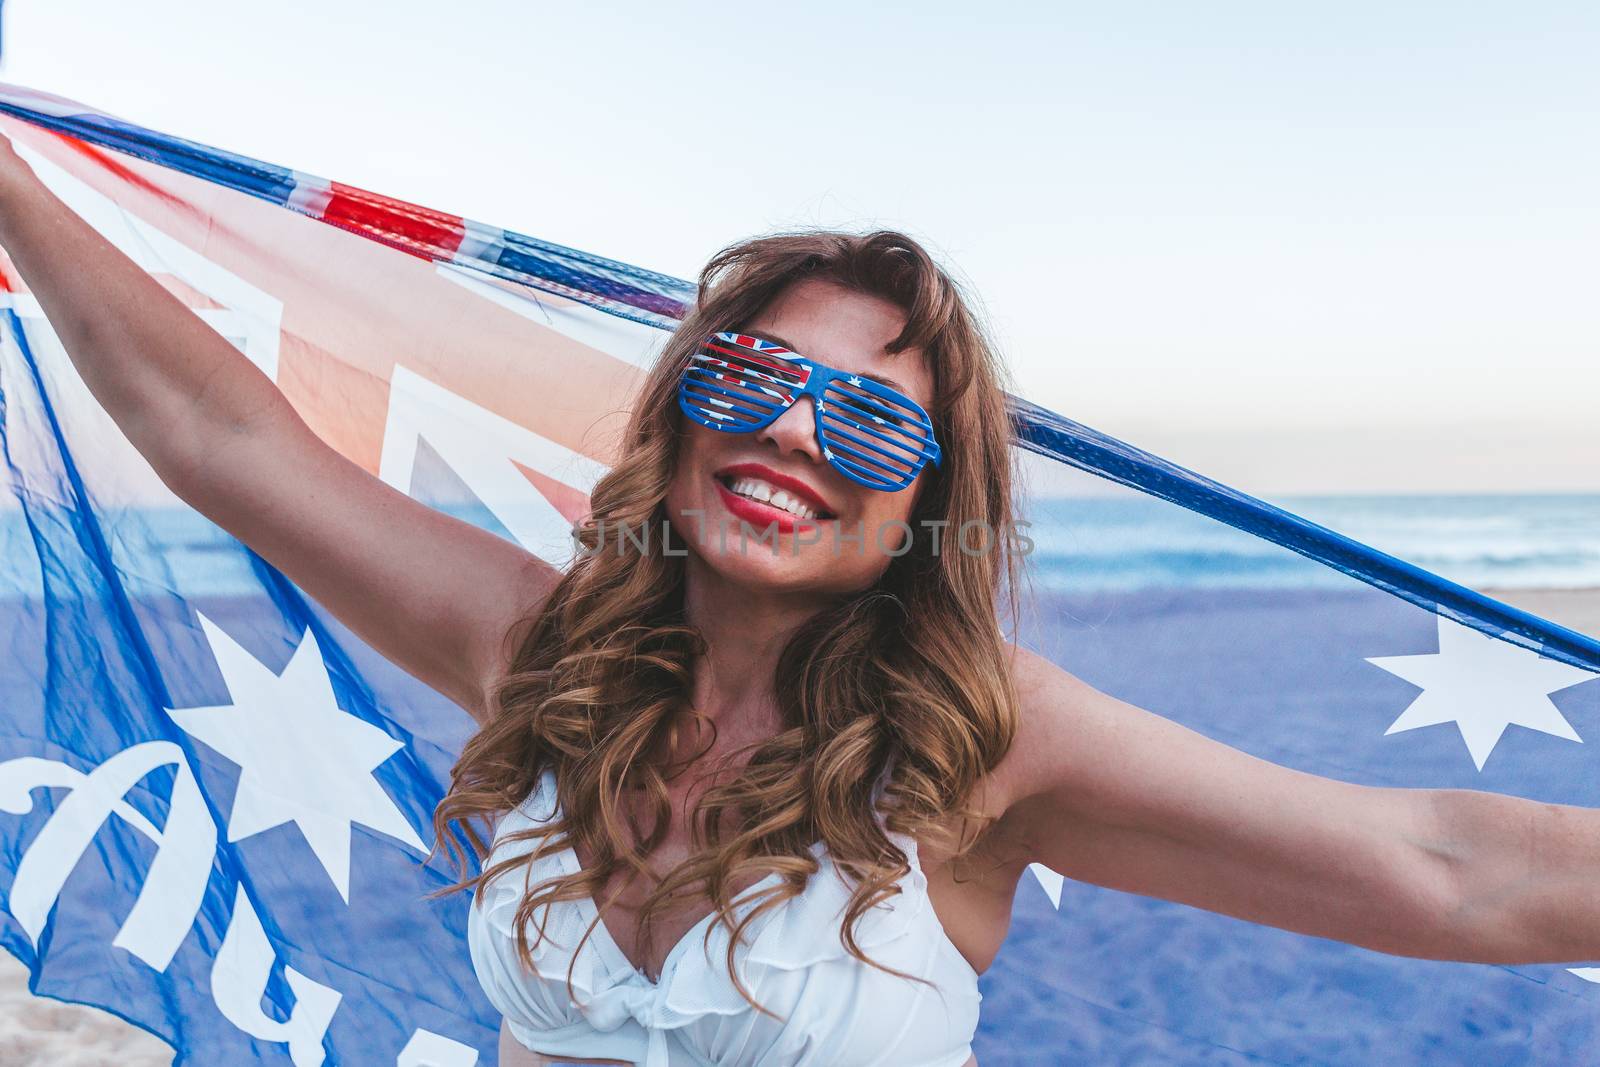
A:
1297, 247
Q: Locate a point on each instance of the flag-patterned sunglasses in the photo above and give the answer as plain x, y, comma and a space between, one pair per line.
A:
872, 434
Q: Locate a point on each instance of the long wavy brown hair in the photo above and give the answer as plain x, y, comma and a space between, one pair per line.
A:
906, 683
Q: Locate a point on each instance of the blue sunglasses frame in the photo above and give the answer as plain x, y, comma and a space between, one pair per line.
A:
872, 434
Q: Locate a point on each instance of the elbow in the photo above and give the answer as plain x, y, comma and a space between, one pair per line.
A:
1421, 913
200, 457
1413, 898
1447, 923
1465, 896
185, 459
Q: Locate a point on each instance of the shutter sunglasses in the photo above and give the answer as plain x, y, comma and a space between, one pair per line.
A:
872, 434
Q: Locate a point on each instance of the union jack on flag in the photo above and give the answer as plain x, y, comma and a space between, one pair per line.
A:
783, 367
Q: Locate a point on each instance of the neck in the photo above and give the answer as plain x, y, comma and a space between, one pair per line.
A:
745, 631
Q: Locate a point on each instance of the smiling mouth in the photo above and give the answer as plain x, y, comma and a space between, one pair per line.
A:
766, 495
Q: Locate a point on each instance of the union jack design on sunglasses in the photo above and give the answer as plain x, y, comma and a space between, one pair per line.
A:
872, 434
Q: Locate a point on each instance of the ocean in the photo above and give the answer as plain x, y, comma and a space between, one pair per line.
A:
1523, 541
1090, 544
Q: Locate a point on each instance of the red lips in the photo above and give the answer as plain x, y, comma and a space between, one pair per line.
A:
760, 515
793, 486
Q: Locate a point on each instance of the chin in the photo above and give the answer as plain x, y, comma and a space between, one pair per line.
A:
765, 567
770, 568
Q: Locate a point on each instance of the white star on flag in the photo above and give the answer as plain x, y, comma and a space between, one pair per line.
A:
302, 759
1482, 684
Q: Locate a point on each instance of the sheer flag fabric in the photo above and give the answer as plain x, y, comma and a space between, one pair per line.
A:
215, 801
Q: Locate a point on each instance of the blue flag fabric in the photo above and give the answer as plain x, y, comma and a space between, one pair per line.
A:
192, 754
215, 801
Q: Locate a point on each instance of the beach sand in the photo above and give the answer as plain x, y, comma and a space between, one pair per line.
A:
35, 1032
1576, 609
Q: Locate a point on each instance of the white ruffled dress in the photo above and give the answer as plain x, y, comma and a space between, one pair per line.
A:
833, 1009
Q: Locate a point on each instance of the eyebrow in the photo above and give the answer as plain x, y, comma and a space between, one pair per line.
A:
775, 339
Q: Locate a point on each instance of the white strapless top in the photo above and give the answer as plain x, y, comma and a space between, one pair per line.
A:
833, 1009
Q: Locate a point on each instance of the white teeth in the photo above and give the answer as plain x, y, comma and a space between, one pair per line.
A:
756, 489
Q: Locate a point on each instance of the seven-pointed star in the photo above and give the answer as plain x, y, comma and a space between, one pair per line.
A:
301, 758
1482, 684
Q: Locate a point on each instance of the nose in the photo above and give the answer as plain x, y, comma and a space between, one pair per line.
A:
795, 430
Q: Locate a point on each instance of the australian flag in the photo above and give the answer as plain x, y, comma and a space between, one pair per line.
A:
215, 801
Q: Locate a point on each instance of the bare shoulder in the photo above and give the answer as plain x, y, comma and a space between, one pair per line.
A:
1052, 706
1082, 756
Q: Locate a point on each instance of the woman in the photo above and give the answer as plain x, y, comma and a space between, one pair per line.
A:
762, 770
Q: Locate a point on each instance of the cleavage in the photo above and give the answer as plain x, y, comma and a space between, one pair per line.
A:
620, 917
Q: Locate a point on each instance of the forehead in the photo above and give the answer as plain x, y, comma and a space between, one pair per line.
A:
824, 321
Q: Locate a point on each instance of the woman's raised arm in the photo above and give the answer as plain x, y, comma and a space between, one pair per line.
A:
1108, 793
435, 595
